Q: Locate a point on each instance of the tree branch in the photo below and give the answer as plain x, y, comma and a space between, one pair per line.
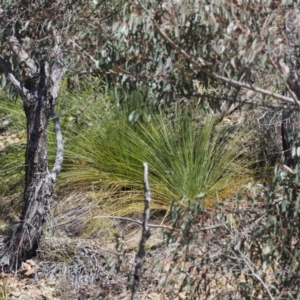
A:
138, 222
258, 102
200, 63
22, 91
216, 76
57, 68
59, 147
27, 64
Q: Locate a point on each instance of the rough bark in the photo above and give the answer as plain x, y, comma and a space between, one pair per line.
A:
290, 127
39, 100
290, 124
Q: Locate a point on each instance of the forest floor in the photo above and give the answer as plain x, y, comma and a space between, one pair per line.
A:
77, 268
74, 266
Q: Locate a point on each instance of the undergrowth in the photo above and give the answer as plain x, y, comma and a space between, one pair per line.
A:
243, 248
191, 156
189, 159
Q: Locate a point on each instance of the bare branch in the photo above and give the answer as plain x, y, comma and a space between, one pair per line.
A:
57, 68
145, 236
56, 77
138, 222
86, 53
27, 64
256, 102
22, 91
59, 147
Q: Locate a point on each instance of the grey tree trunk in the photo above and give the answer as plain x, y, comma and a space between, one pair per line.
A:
39, 100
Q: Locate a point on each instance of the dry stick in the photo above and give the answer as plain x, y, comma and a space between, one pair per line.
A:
145, 236
138, 222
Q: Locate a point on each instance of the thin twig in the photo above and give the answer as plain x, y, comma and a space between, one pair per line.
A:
145, 236
159, 226
216, 76
256, 102
86, 53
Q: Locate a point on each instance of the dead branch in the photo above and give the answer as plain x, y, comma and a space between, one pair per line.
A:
215, 226
145, 236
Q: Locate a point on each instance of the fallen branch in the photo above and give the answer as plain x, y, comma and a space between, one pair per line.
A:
140, 223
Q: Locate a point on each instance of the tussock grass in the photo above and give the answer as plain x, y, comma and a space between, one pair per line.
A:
12, 147
187, 159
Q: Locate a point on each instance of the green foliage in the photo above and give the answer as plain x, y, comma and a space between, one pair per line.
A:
164, 52
162, 46
4, 293
81, 24
166, 45
106, 145
189, 158
277, 239
251, 251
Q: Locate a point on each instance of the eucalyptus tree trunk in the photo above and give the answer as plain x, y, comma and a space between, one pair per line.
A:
39, 96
